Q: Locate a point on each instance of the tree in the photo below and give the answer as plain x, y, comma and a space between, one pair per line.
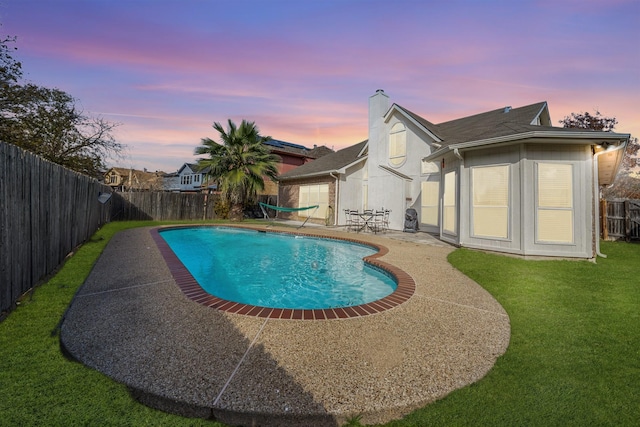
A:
599, 122
48, 122
10, 69
239, 163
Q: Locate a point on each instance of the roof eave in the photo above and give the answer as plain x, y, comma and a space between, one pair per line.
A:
308, 175
577, 137
399, 109
340, 171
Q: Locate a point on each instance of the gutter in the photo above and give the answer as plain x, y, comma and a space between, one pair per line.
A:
596, 191
565, 135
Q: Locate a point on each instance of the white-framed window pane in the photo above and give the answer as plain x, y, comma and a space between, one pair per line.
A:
555, 185
311, 195
490, 201
397, 144
303, 198
429, 167
449, 203
429, 206
491, 221
555, 225
554, 202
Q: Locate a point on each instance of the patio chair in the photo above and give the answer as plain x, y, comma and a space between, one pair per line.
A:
377, 221
353, 220
348, 222
385, 219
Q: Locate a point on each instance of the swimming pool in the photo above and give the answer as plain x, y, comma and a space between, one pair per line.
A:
279, 270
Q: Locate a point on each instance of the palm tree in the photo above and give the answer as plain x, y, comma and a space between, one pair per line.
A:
239, 163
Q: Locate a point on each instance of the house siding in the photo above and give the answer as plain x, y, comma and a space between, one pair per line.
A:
350, 193
386, 189
522, 159
581, 160
500, 156
289, 196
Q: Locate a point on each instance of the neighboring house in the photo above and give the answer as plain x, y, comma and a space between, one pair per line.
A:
127, 179
290, 157
192, 179
504, 180
294, 155
171, 182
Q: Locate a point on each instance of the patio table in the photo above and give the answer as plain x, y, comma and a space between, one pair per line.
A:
366, 221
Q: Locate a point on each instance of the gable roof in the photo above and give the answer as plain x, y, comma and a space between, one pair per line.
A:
329, 163
502, 125
194, 168
506, 125
491, 124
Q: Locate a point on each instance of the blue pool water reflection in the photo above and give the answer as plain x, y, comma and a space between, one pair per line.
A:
279, 270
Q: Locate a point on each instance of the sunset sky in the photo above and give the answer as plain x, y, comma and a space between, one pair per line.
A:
303, 70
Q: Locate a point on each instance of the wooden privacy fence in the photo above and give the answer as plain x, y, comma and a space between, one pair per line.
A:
620, 219
45, 212
162, 206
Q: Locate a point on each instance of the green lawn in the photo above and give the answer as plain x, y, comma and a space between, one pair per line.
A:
574, 356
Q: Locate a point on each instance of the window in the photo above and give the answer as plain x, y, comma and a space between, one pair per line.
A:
397, 145
429, 167
554, 203
449, 203
113, 179
490, 201
311, 195
196, 178
186, 179
430, 206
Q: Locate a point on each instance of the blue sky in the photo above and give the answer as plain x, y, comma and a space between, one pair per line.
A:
304, 70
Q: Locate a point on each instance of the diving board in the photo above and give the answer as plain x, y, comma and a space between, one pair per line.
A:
283, 209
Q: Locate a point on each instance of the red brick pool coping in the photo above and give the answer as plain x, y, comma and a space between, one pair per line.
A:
192, 289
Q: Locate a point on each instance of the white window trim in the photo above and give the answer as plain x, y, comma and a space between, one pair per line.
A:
443, 217
436, 206
399, 128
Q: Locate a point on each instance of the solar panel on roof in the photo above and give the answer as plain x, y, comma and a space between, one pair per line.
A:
283, 144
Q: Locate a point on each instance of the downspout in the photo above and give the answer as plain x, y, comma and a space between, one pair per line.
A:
459, 156
596, 192
337, 195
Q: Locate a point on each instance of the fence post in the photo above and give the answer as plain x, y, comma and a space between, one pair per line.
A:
204, 208
604, 226
627, 221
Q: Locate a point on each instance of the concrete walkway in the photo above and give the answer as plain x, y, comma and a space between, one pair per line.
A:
131, 322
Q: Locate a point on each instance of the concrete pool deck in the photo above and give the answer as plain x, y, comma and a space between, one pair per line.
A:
133, 323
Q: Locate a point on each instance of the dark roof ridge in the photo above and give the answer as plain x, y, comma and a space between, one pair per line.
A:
505, 110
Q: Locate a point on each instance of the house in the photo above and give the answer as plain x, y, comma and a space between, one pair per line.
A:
290, 156
190, 178
505, 180
127, 179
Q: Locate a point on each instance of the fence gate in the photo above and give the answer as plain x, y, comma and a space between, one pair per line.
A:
621, 219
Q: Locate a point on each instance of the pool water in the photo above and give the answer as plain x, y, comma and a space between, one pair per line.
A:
279, 270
